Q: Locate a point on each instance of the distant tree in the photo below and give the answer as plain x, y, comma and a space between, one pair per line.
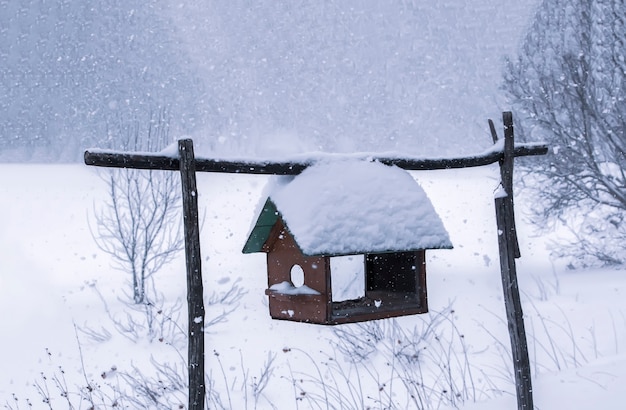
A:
69, 68
139, 225
568, 86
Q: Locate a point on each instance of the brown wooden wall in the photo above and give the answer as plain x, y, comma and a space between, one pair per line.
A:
283, 254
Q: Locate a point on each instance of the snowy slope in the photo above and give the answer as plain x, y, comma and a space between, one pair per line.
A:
50, 268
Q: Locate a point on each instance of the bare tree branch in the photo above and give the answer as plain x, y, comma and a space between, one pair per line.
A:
568, 84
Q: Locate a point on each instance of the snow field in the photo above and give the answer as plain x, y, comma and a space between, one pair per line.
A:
50, 266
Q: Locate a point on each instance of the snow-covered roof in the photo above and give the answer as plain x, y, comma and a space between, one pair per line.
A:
352, 207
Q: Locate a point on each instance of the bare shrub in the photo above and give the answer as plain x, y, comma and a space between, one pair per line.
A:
383, 365
568, 83
139, 225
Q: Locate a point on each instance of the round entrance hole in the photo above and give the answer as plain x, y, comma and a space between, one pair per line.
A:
297, 276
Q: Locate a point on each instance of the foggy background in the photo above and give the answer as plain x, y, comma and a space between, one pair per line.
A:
254, 78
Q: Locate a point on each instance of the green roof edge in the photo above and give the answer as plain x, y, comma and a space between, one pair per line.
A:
262, 228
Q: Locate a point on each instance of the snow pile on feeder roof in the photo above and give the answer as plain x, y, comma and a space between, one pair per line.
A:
354, 207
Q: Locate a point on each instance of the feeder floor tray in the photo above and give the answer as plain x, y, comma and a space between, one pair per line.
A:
377, 305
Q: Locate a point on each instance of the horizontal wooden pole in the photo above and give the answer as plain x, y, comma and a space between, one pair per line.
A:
131, 160
424, 164
163, 162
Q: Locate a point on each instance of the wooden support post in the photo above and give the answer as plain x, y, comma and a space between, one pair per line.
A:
195, 301
509, 250
506, 173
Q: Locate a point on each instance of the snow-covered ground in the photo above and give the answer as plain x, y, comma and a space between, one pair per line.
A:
52, 273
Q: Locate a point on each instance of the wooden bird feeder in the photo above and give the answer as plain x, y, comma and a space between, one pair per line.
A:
367, 209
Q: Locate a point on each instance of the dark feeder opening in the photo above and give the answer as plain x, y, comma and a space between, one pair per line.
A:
395, 285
